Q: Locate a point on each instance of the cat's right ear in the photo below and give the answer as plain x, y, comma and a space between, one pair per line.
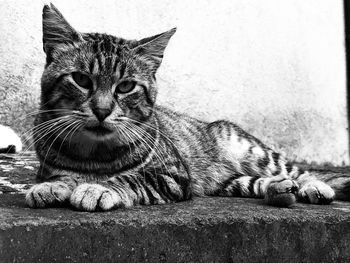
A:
57, 32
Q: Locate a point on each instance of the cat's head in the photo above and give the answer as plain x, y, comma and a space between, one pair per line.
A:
98, 79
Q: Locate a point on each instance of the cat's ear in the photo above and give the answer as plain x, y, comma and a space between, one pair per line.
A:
56, 30
152, 48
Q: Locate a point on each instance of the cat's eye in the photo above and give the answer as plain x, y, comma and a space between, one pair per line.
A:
82, 80
125, 87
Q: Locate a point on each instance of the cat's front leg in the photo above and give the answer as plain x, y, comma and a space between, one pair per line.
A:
49, 194
98, 197
130, 189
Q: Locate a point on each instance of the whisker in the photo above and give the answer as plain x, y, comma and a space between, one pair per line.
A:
45, 132
137, 137
57, 136
77, 123
41, 125
46, 127
126, 134
153, 128
160, 148
78, 127
42, 130
149, 140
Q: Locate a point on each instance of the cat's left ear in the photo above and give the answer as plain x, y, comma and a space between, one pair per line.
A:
152, 48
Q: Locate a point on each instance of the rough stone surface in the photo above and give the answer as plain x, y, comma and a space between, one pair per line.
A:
277, 68
201, 230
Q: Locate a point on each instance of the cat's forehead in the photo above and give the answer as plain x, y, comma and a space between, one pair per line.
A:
105, 43
106, 54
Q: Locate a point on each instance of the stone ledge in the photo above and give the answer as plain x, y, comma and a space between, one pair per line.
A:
201, 230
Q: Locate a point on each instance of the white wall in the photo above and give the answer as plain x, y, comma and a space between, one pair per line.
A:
275, 67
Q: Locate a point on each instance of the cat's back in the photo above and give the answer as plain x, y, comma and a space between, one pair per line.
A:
204, 142
212, 134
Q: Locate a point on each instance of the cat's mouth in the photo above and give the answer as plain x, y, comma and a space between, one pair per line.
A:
100, 129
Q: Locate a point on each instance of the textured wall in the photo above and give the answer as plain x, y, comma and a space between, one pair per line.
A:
275, 67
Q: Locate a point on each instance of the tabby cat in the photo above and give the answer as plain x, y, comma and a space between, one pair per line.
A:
103, 143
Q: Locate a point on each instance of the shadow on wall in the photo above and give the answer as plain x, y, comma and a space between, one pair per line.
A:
277, 68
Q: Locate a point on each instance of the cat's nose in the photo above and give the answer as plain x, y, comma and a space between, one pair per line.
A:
102, 114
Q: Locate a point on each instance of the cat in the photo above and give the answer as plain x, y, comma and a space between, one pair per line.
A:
10, 142
103, 143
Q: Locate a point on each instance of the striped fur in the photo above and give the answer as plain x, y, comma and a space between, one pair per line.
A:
103, 143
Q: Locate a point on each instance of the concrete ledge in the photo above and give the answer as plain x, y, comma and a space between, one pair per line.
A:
201, 230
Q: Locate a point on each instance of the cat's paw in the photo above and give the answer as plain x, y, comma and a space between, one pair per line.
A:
95, 197
48, 194
281, 193
316, 192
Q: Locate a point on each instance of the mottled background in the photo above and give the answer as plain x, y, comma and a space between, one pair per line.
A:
277, 68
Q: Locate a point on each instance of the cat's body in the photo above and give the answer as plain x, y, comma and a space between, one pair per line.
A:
103, 143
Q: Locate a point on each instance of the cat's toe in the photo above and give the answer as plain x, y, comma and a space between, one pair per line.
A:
281, 193
47, 194
94, 197
316, 192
